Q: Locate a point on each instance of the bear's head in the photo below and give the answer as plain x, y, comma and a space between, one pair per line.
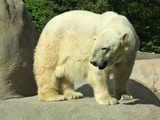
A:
110, 47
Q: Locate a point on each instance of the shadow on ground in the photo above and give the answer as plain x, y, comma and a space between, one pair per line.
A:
139, 91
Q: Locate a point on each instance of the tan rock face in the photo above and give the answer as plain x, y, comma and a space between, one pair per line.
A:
17, 41
141, 55
148, 73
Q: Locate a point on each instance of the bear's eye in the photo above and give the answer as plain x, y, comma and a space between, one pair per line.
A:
106, 49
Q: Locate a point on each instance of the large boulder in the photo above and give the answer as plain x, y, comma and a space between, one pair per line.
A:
17, 41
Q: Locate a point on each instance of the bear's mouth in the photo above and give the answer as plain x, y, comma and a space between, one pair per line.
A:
103, 65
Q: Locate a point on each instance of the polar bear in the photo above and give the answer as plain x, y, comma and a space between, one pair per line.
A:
84, 45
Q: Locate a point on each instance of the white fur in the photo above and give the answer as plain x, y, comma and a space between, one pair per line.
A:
65, 48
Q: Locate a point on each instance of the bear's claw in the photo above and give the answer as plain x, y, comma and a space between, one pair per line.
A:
126, 97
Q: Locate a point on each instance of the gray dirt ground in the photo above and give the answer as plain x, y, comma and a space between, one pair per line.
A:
145, 106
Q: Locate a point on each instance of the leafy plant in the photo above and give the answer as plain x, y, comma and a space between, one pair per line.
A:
143, 14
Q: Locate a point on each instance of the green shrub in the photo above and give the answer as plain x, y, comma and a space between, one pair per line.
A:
143, 14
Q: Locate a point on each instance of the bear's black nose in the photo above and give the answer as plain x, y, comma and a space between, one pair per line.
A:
94, 63
103, 65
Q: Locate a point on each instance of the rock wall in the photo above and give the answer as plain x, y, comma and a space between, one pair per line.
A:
17, 41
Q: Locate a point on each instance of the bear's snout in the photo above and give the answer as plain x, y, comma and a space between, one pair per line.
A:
93, 62
100, 65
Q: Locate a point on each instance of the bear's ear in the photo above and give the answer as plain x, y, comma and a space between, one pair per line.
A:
124, 39
94, 38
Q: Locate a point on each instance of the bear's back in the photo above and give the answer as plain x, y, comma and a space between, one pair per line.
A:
84, 23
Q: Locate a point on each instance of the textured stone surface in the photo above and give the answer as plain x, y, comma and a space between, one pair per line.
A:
17, 41
147, 71
141, 55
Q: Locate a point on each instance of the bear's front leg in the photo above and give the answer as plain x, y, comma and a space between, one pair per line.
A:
121, 74
98, 79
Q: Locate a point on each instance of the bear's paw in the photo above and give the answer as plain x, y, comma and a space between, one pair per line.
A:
105, 99
73, 95
50, 96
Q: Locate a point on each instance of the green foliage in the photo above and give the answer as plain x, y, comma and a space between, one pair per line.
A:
143, 14
40, 11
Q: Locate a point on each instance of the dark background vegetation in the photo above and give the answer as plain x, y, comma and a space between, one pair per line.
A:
143, 14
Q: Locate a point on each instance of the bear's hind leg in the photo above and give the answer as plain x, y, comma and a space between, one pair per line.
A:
68, 90
48, 86
66, 86
50, 95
